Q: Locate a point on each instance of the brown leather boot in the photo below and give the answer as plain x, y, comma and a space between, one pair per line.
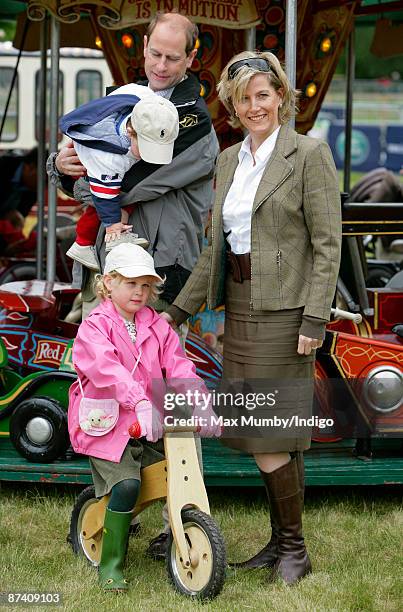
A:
266, 557
299, 457
293, 562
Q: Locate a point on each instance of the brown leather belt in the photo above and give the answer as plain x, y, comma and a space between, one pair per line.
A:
239, 266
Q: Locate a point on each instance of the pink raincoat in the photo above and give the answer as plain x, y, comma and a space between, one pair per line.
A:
104, 356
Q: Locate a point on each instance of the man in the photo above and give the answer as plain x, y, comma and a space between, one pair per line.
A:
173, 200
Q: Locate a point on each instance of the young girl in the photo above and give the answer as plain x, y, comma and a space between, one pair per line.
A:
122, 349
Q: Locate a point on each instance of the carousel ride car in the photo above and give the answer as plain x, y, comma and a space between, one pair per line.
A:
361, 365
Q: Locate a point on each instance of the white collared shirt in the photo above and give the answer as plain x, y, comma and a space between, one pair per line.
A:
164, 93
237, 209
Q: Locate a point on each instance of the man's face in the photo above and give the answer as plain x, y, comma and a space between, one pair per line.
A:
165, 59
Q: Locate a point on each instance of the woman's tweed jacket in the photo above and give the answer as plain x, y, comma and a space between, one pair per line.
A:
295, 232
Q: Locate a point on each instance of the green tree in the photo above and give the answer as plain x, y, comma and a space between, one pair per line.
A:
7, 29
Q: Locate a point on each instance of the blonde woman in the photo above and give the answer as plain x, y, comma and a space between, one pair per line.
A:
273, 260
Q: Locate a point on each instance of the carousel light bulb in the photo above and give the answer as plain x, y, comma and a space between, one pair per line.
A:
98, 42
325, 45
127, 40
197, 43
310, 90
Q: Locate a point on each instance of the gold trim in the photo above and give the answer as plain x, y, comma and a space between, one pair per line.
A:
371, 222
396, 233
363, 329
352, 394
369, 328
338, 366
7, 400
4, 433
333, 345
376, 309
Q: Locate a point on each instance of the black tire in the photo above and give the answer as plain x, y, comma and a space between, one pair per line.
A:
210, 582
378, 276
18, 272
84, 500
46, 438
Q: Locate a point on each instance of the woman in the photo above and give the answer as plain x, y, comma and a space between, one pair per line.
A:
273, 259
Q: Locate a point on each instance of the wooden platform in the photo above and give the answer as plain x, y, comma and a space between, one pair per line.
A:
326, 464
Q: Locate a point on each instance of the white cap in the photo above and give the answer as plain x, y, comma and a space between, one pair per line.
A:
131, 261
156, 123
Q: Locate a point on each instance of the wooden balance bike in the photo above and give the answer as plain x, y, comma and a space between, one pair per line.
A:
196, 557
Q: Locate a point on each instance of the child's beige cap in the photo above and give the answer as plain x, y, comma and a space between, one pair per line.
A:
156, 123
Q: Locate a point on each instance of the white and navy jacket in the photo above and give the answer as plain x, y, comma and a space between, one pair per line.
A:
98, 130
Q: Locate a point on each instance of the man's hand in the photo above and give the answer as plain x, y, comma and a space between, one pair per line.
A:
307, 345
68, 162
113, 231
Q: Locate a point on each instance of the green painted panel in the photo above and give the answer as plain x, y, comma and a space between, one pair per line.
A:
325, 465
58, 389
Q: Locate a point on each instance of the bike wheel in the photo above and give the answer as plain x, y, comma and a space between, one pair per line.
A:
81, 544
205, 577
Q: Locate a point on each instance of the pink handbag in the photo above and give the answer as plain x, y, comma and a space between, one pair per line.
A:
98, 417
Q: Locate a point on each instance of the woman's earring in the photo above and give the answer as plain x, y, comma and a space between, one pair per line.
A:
236, 114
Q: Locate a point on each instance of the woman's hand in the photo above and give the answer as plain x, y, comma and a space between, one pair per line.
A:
68, 162
113, 231
307, 345
208, 422
169, 319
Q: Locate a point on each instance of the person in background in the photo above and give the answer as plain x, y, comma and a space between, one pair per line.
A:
19, 182
12, 239
273, 259
19, 192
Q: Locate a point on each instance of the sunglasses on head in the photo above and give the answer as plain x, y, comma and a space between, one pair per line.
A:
258, 63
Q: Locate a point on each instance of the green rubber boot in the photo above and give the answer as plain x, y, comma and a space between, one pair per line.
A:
114, 541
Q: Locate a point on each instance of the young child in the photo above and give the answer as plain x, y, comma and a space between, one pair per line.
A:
123, 348
110, 135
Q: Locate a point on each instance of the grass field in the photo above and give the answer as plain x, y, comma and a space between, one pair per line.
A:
355, 539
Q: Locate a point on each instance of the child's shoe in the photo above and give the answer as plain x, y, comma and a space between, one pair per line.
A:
85, 255
126, 237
